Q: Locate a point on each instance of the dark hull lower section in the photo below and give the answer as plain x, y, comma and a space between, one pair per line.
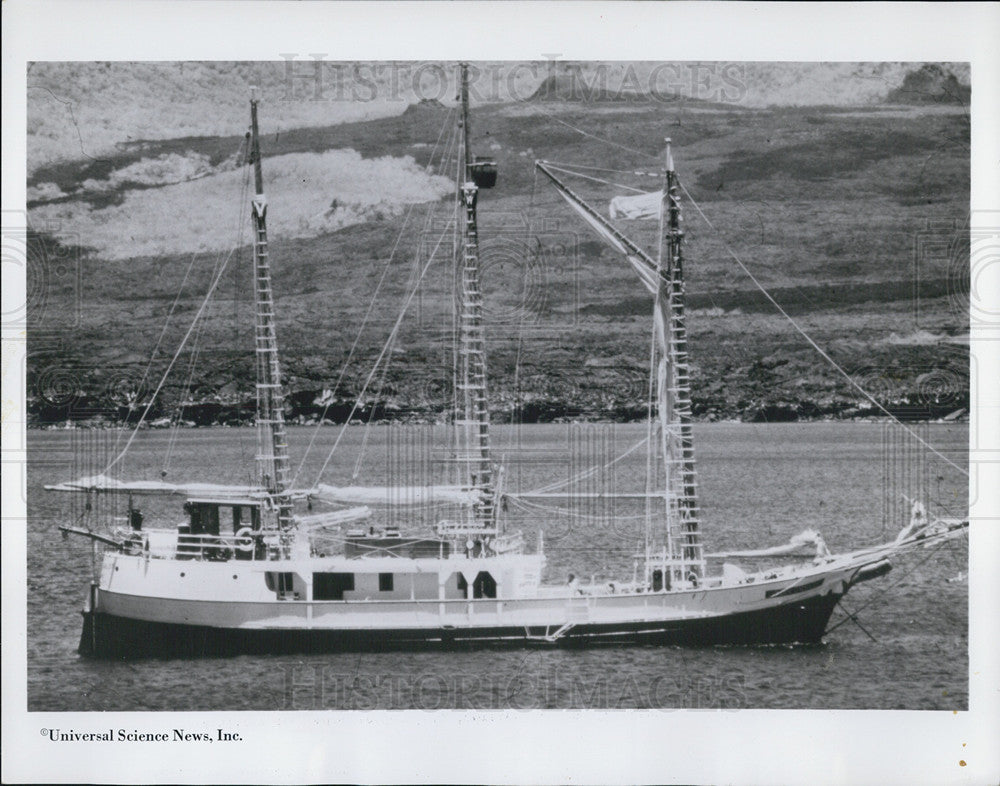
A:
108, 636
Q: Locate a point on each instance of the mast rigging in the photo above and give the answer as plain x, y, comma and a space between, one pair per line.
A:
473, 419
663, 277
272, 442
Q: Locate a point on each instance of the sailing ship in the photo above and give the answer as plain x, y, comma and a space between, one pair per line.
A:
241, 572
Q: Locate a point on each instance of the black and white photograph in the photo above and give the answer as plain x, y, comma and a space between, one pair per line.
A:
372, 401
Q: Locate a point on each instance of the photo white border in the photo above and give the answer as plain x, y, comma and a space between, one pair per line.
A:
537, 746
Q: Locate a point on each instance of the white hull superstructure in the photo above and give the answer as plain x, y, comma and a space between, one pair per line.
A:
152, 604
433, 600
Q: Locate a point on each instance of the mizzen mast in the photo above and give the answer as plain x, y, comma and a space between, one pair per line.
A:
272, 442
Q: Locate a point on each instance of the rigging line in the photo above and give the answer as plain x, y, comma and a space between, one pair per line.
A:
605, 169
166, 323
242, 241
586, 473
659, 448
173, 360
851, 616
517, 500
156, 347
371, 413
594, 136
357, 340
736, 358
651, 426
192, 365
371, 307
595, 179
445, 156
163, 331
812, 343
943, 506
446, 151
534, 507
188, 385
516, 412
196, 345
385, 368
879, 595
378, 360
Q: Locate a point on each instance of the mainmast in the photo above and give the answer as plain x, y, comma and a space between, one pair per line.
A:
272, 443
473, 416
674, 388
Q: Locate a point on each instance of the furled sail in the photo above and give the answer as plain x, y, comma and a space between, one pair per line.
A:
806, 540
602, 229
397, 495
640, 206
333, 518
102, 483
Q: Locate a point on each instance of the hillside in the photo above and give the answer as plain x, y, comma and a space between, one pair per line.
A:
850, 215
90, 110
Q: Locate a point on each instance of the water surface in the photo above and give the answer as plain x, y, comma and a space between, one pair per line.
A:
759, 485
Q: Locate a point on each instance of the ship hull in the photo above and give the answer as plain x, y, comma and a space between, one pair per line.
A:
157, 607
111, 636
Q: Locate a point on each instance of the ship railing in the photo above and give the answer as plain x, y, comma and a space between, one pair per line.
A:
170, 544
509, 542
462, 529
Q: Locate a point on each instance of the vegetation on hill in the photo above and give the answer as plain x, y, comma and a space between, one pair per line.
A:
852, 217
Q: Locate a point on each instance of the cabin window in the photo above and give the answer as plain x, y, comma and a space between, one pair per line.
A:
204, 518
279, 582
385, 582
245, 516
485, 586
332, 586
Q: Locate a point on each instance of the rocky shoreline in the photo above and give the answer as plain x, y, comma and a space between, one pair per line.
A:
310, 408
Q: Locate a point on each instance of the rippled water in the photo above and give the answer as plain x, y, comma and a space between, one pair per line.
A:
759, 486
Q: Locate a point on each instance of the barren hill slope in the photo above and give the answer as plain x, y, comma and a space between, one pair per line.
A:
851, 216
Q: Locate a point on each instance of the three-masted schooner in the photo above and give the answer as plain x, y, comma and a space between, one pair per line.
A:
240, 573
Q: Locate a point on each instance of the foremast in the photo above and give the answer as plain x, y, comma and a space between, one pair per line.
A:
472, 406
674, 390
683, 559
272, 442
